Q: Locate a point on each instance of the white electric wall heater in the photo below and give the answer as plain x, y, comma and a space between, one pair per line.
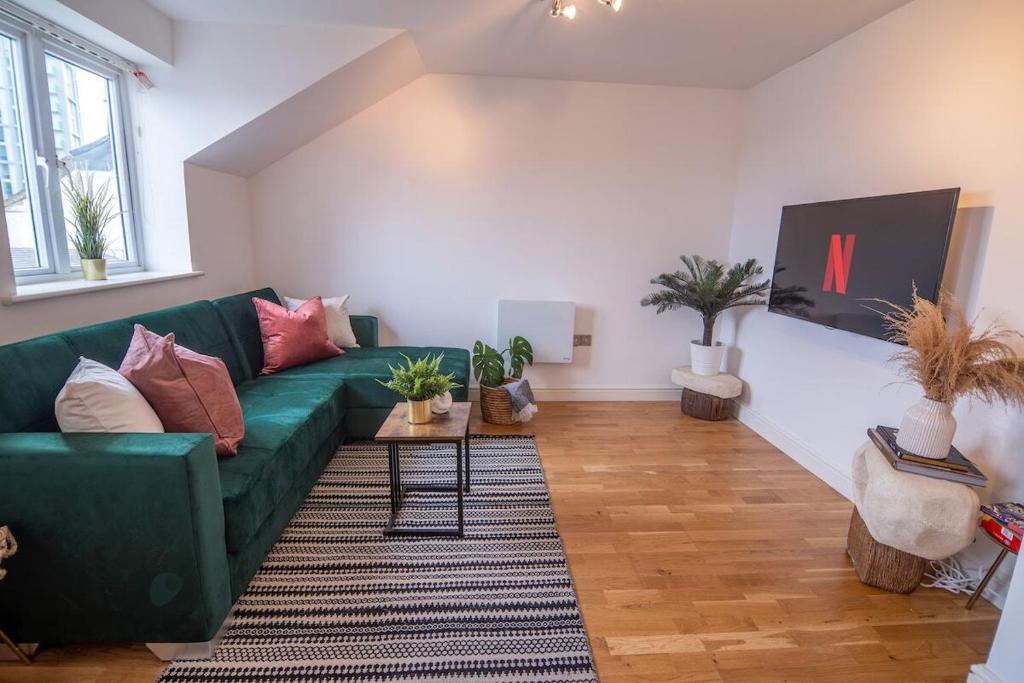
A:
547, 325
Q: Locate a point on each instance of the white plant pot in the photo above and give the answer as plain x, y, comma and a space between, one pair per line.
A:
706, 360
927, 429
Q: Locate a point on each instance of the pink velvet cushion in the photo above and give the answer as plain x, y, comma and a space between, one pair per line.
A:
293, 338
189, 392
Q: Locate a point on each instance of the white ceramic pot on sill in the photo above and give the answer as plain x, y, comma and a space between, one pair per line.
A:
706, 360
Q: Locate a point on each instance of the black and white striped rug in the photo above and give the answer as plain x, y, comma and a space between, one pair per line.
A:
337, 601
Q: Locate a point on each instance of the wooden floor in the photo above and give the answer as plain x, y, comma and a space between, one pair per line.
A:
700, 553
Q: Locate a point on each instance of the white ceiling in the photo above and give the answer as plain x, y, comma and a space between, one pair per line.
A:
708, 43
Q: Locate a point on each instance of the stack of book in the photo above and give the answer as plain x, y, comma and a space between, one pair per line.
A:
1004, 522
955, 467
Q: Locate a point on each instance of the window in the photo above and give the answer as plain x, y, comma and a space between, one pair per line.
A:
63, 118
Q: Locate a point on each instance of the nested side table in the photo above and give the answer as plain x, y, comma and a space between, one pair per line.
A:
452, 428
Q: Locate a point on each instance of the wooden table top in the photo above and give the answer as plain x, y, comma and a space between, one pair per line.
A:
450, 427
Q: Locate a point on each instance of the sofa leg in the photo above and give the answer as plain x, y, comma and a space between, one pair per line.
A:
167, 652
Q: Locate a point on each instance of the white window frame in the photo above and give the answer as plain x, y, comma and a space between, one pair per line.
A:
42, 164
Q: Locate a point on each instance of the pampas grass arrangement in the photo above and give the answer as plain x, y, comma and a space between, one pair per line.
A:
949, 358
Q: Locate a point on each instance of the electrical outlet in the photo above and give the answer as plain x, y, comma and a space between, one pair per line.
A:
580, 340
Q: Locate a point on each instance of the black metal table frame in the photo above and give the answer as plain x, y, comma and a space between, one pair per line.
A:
398, 490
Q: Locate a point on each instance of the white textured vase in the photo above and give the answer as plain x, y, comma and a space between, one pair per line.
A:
927, 429
440, 405
706, 360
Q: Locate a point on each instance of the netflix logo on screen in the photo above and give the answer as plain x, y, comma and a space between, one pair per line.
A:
837, 263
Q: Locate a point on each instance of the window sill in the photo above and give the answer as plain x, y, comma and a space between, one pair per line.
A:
58, 288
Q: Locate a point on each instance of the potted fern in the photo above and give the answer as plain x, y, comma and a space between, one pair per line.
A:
949, 359
418, 382
90, 210
708, 288
489, 368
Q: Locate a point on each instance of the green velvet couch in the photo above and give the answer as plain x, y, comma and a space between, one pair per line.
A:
151, 537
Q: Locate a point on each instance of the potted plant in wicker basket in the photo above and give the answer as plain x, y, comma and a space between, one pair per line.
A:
708, 288
91, 209
490, 371
418, 382
949, 359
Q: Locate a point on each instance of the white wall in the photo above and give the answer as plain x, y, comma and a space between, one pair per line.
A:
1006, 658
929, 96
457, 191
224, 75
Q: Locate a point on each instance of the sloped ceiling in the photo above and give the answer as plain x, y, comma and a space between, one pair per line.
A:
701, 43
315, 110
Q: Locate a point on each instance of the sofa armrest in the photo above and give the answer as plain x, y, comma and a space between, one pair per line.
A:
366, 329
121, 538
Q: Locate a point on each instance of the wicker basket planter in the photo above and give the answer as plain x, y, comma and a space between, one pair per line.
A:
496, 405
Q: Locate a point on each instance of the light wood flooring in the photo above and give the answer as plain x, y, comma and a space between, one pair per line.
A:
700, 553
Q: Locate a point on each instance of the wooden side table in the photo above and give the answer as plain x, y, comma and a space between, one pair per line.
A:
706, 397
453, 428
902, 520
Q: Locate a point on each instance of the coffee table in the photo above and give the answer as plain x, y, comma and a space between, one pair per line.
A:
453, 428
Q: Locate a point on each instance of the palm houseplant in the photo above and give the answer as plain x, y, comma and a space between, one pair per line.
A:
492, 368
709, 288
949, 359
418, 382
90, 210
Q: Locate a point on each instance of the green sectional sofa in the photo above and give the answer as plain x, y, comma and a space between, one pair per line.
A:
151, 537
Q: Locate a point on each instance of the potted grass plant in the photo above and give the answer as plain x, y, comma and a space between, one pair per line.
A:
709, 288
90, 209
949, 359
418, 382
491, 371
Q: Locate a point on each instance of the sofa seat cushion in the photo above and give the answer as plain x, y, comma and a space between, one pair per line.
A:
362, 367
287, 419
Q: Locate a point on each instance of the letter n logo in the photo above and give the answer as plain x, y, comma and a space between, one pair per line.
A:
837, 265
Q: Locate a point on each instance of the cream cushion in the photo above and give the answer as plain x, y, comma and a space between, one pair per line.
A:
339, 327
96, 398
721, 385
927, 517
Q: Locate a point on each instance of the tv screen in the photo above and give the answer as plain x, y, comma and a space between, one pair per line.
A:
834, 257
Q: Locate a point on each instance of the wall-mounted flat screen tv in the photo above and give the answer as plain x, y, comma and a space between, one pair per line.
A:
834, 257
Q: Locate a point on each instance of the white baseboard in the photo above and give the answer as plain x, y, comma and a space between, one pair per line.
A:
796, 449
597, 394
980, 673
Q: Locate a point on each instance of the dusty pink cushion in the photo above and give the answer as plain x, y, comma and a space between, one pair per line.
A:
293, 338
189, 392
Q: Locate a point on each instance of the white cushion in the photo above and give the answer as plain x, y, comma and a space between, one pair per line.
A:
721, 385
96, 398
923, 516
339, 327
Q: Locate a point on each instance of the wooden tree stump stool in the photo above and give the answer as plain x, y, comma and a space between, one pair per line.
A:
902, 520
704, 397
880, 565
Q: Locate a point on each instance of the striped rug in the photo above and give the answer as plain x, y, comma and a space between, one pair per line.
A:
337, 601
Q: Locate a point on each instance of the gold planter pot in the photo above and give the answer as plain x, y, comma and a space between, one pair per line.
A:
94, 268
419, 412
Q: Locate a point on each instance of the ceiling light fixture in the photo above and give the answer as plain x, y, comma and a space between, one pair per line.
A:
567, 10
560, 9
